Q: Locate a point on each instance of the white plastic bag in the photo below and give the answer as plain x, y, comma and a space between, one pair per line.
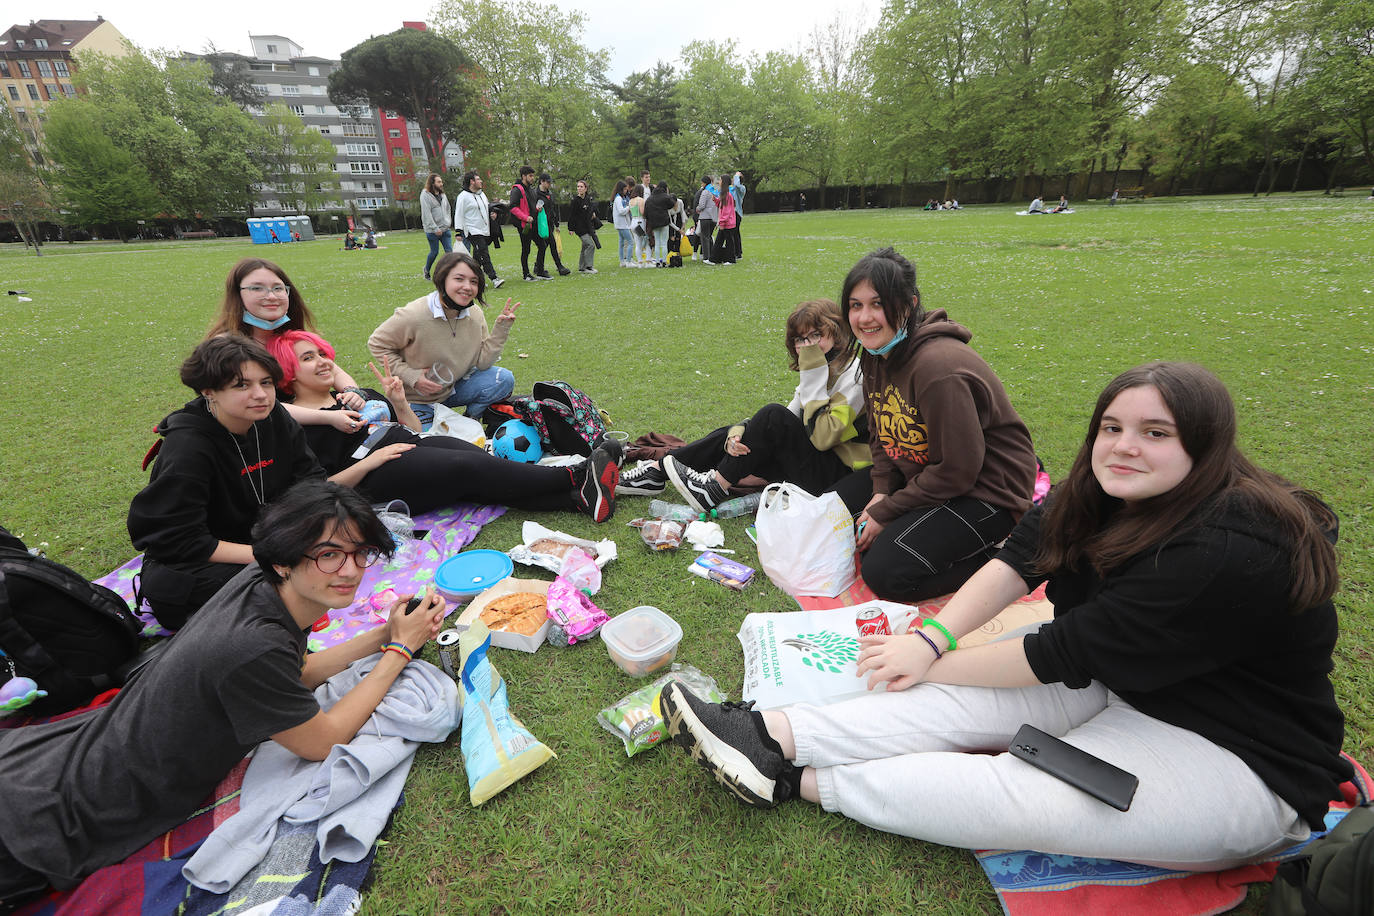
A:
806, 543
449, 422
801, 657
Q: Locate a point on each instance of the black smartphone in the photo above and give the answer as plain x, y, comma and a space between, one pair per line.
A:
413, 603
1078, 768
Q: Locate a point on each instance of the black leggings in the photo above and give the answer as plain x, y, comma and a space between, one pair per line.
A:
779, 449
175, 590
442, 470
928, 551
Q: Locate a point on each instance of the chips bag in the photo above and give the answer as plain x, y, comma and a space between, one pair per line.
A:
497, 749
637, 719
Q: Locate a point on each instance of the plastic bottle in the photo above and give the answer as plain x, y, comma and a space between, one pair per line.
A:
740, 505
659, 508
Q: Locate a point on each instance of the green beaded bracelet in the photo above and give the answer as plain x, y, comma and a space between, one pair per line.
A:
953, 643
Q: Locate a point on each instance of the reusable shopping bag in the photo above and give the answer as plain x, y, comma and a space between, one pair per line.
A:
806, 543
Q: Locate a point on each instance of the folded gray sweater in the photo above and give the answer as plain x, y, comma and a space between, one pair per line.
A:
349, 794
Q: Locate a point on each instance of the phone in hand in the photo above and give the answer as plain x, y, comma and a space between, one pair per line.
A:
413, 603
1097, 777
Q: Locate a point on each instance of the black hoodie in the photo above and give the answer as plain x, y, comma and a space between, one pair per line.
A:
200, 492
1196, 632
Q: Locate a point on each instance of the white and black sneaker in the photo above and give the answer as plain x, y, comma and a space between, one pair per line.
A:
497, 283
727, 739
647, 479
700, 488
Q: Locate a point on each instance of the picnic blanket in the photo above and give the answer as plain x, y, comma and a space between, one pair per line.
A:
1030, 883
290, 879
1036, 884
449, 531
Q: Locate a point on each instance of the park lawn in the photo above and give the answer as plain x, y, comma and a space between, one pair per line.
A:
1275, 295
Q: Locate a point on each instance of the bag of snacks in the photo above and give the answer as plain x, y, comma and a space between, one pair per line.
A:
575, 618
637, 719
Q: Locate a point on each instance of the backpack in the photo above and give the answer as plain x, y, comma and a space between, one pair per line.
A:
67, 634
1334, 878
567, 420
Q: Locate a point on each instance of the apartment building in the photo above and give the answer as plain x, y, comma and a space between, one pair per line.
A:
36, 66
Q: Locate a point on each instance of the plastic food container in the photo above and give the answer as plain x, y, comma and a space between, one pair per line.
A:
642, 640
471, 573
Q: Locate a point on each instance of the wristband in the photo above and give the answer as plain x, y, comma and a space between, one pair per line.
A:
356, 390
953, 644
930, 642
400, 649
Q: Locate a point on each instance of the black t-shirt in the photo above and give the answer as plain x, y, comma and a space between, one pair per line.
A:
1196, 632
335, 448
85, 792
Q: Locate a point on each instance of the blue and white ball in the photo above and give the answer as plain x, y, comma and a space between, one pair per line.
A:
516, 440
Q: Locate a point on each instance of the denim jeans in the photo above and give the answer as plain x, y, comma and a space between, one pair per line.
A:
476, 391
444, 238
627, 244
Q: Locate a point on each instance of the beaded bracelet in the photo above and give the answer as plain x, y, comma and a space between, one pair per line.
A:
941, 627
930, 642
399, 649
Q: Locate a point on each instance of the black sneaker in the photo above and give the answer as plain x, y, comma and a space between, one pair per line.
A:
563, 271
727, 740
542, 275
646, 480
595, 493
700, 488
529, 277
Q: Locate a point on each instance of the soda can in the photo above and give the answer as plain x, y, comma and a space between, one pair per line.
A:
872, 621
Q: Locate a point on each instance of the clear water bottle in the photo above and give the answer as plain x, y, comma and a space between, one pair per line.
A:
660, 508
740, 505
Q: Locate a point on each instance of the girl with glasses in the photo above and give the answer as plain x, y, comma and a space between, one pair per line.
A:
260, 302
236, 676
814, 441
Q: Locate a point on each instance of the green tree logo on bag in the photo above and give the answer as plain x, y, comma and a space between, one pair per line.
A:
825, 651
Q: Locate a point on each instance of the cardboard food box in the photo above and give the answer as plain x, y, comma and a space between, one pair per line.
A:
503, 639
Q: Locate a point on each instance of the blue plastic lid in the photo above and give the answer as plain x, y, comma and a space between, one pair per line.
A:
472, 571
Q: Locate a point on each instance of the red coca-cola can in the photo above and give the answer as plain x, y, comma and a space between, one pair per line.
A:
872, 621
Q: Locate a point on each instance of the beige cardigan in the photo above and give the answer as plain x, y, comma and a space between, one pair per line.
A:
413, 339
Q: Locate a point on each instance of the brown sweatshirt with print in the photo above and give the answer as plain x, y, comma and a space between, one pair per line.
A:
941, 425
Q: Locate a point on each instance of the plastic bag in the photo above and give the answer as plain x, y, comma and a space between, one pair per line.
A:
637, 720
806, 543
581, 571
575, 618
449, 422
497, 749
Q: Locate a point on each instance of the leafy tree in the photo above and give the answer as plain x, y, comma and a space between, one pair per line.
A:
195, 146
299, 161
1340, 84
231, 78
647, 117
540, 100
420, 75
100, 183
24, 198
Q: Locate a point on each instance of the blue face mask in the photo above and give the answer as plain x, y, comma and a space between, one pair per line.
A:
254, 321
887, 347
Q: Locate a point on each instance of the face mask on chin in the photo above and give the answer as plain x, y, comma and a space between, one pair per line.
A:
254, 321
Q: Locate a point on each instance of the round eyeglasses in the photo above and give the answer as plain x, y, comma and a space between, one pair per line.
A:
331, 560
257, 290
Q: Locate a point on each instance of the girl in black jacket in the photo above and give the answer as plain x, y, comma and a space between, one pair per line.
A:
1191, 647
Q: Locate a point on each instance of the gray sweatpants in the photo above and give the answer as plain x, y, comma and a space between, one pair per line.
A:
898, 762
584, 259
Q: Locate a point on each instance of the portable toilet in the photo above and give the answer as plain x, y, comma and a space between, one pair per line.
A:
257, 229
301, 225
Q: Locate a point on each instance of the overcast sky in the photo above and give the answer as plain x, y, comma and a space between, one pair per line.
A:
658, 30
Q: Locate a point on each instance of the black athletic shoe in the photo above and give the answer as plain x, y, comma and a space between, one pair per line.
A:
646, 480
529, 277
563, 271
700, 488
726, 739
595, 493
542, 275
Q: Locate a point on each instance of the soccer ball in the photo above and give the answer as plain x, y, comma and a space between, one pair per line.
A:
516, 440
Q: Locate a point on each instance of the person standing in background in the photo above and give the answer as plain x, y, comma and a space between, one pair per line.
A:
582, 222
472, 222
435, 218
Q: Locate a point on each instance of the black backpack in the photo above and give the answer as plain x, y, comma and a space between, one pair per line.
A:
69, 635
1334, 878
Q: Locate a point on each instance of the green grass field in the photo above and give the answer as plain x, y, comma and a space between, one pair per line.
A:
1274, 295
